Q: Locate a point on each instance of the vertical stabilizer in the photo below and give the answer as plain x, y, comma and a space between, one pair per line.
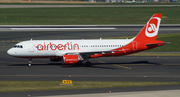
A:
150, 30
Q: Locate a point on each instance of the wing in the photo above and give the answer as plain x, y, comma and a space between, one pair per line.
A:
85, 55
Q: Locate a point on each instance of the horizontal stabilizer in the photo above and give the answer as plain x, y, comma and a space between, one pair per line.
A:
150, 44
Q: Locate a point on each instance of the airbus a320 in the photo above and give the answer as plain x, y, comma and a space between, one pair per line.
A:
77, 51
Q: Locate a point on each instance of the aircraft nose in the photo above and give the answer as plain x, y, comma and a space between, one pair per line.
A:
11, 52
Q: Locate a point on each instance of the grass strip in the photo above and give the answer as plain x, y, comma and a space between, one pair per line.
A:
98, 3
155, 54
17, 86
86, 15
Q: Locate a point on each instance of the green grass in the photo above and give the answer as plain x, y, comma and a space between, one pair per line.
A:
174, 40
155, 54
85, 15
172, 47
16, 86
89, 3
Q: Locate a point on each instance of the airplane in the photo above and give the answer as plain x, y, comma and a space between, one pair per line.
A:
72, 52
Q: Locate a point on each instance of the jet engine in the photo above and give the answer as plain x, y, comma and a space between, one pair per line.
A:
70, 59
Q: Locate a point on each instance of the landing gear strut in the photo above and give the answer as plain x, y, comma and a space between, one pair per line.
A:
87, 64
29, 62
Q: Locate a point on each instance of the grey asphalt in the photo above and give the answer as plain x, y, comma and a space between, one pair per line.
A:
157, 93
46, 6
123, 68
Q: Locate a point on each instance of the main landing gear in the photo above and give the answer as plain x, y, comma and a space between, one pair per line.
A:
29, 62
88, 64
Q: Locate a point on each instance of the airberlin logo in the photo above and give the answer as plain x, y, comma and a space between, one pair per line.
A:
51, 46
152, 27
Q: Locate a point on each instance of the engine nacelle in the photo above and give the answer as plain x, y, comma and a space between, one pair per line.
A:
55, 59
70, 59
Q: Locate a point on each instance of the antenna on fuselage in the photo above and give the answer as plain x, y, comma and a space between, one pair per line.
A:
100, 38
31, 39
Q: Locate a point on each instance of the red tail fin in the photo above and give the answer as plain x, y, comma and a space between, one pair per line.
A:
151, 28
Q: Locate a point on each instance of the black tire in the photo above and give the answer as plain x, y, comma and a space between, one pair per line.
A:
88, 64
79, 63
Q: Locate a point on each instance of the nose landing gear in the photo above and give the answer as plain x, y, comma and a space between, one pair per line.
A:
29, 62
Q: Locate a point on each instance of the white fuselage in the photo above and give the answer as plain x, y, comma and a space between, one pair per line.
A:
49, 48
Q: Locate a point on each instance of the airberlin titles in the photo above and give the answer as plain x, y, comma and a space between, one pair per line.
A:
51, 46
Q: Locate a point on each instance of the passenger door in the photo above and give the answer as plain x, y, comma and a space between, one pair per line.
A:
31, 47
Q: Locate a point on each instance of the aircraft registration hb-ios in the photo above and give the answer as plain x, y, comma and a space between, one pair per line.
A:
76, 51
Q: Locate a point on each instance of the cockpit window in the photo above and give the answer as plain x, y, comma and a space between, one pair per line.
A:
18, 46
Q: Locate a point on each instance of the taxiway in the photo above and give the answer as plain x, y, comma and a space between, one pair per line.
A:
125, 68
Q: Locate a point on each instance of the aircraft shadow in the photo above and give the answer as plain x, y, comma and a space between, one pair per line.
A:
94, 65
137, 62
34, 64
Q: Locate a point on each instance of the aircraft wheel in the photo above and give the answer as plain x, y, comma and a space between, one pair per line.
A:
88, 64
29, 65
79, 63
29, 62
